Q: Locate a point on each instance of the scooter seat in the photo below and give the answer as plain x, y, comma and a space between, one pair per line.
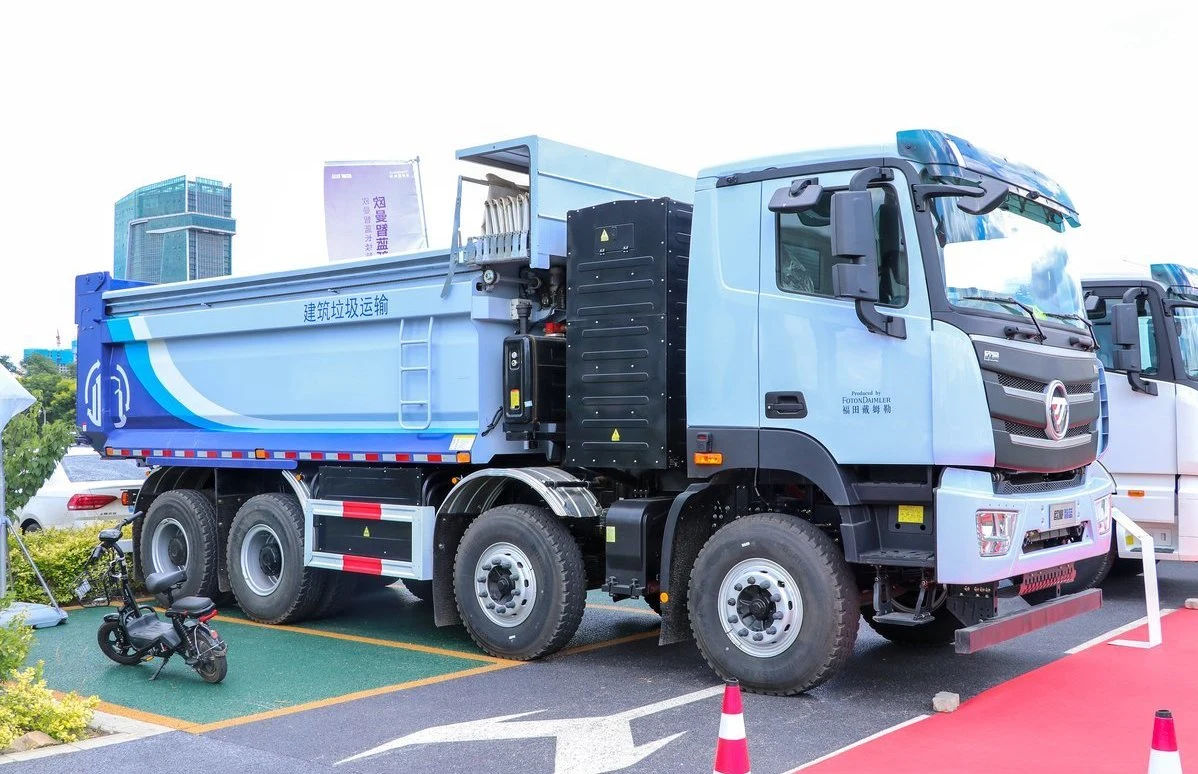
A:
161, 581
196, 606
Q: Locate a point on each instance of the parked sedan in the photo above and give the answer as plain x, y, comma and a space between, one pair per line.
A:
84, 488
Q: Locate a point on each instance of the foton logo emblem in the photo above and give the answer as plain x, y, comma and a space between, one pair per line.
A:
1056, 410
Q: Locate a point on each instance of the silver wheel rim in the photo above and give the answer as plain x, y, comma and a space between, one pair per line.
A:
505, 584
168, 540
760, 607
262, 562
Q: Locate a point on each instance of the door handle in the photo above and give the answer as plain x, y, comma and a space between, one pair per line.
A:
785, 405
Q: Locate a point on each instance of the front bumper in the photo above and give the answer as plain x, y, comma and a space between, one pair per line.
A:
962, 493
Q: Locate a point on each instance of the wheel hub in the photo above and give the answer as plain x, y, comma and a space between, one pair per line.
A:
168, 546
270, 560
505, 584
760, 607
177, 551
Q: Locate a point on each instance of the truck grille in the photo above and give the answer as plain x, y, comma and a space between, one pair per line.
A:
1031, 385
1034, 484
1028, 431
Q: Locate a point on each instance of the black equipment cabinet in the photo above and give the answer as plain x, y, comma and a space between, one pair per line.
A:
626, 272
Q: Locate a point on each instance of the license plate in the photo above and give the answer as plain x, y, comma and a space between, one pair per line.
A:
82, 589
1062, 515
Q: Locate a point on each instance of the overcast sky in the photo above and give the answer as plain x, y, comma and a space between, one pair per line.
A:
97, 99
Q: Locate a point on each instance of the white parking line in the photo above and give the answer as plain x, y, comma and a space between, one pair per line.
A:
859, 742
1116, 632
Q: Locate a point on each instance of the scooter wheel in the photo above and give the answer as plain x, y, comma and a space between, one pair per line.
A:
113, 644
214, 666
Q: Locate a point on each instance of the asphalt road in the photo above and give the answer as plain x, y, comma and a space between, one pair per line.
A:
883, 685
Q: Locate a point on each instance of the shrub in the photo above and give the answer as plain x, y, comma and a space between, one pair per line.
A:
60, 555
15, 640
27, 704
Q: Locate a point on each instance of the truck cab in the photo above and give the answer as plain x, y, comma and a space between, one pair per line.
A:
1147, 328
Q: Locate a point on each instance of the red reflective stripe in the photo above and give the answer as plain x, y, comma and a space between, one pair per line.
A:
352, 510
167, 453
344, 456
145, 452
362, 564
189, 452
434, 458
289, 455
372, 457
403, 457
211, 454
125, 452
237, 455
318, 455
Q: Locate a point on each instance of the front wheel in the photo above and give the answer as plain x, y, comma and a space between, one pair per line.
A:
773, 604
114, 645
212, 664
519, 582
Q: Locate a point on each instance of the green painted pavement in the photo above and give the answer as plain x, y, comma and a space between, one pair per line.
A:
269, 669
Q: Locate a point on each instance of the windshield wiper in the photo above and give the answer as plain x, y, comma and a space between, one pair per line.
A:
1011, 330
1074, 340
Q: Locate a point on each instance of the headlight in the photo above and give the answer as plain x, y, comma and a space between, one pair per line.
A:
1102, 514
994, 532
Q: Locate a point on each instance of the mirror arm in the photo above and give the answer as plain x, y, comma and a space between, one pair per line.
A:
1139, 385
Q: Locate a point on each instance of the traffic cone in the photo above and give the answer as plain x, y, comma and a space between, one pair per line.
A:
1164, 758
732, 749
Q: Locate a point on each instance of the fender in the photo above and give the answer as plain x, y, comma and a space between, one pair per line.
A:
564, 493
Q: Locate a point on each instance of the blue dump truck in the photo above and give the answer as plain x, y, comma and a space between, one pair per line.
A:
789, 393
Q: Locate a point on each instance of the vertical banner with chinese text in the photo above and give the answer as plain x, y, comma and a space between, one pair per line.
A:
372, 208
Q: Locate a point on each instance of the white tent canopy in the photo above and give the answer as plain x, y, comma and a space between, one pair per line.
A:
13, 397
13, 400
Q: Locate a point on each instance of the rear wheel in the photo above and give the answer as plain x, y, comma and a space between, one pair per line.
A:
773, 604
114, 645
339, 589
213, 666
519, 582
266, 561
179, 533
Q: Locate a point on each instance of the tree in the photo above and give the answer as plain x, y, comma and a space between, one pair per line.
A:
31, 450
54, 391
6, 361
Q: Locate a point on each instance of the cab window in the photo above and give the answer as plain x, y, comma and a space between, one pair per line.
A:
805, 257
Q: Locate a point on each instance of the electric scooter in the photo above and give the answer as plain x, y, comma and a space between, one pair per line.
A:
136, 633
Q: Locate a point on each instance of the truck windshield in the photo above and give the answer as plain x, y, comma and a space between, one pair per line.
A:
1005, 254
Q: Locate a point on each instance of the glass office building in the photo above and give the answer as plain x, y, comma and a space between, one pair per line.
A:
176, 230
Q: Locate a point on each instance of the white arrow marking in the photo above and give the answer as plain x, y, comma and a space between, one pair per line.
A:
584, 745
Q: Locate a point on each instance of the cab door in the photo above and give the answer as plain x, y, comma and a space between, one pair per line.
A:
865, 396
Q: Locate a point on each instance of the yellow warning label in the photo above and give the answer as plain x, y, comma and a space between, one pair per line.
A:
514, 400
611, 534
910, 514
603, 237
615, 435
366, 532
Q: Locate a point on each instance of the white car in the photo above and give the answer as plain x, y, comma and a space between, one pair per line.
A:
83, 489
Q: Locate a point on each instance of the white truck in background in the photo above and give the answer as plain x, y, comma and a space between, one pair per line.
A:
1147, 331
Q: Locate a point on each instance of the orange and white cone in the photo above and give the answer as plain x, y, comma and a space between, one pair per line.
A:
1164, 758
732, 749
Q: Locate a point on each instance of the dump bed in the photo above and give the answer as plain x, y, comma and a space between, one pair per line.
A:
392, 359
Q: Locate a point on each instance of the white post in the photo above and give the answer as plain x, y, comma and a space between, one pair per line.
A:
1151, 592
3, 527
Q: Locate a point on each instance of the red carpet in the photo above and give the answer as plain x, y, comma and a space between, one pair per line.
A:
1089, 712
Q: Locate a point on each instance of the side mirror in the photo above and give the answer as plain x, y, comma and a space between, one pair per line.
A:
800, 195
1125, 321
993, 194
853, 236
1095, 306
